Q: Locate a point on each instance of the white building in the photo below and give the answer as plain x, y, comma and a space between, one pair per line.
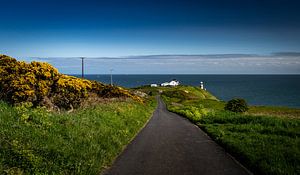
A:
171, 83
165, 84
153, 85
174, 83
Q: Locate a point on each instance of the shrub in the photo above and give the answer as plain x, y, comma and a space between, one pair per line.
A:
69, 92
22, 82
191, 112
236, 105
42, 85
108, 91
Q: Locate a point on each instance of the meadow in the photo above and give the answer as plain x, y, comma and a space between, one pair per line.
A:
86, 141
264, 139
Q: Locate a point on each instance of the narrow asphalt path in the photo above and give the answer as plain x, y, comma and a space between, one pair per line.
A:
171, 145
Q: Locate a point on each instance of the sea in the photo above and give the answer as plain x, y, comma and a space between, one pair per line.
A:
271, 90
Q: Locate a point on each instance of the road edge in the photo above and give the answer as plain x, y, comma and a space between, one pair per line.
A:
105, 170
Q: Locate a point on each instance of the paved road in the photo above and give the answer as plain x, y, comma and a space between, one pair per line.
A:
170, 144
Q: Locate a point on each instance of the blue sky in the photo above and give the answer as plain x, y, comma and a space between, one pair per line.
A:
122, 29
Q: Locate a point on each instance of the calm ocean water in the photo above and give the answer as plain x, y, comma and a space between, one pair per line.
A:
274, 90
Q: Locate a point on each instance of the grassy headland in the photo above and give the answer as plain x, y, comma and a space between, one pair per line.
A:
265, 139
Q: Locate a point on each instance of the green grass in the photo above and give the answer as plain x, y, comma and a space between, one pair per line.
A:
275, 111
265, 139
179, 92
34, 141
267, 145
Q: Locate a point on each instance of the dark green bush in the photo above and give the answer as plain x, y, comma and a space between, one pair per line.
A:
236, 105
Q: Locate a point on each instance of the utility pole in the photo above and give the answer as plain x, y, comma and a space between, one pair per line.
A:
111, 80
82, 67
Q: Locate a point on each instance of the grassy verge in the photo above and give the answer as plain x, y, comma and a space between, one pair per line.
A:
265, 139
266, 145
34, 141
275, 111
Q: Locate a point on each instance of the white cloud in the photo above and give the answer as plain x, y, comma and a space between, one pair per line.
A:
193, 64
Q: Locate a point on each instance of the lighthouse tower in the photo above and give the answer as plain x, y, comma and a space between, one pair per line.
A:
201, 85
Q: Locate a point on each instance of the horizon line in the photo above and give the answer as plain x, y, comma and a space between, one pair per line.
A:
192, 74
169, 56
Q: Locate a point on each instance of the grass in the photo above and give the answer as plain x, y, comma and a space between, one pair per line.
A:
265, 139
179, 92
34, 141
275, 111
267, 145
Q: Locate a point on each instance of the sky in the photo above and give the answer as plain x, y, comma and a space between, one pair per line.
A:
155, 36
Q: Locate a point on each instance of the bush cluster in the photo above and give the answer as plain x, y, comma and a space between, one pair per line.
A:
22, 82
236, 105
193, 113
42, 85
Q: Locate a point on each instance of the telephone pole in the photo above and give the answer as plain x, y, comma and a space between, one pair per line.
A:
111, 80
82, 67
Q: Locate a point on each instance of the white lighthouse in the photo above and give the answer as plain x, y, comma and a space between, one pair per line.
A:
201, 85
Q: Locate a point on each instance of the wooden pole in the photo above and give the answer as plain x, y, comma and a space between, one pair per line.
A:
82, 67
111, 80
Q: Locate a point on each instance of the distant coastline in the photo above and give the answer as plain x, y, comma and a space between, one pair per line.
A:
257, 89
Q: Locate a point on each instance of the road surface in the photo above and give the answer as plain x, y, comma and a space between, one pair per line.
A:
171, 145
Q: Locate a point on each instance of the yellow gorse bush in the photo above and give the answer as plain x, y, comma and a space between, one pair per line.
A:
37, 82
22, 82
69, 91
